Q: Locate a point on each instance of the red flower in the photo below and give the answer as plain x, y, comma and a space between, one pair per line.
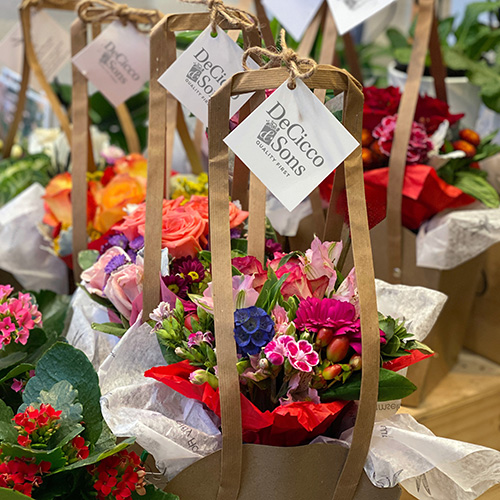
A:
251, 266
431, 112
22, 474
378, 104
33, 419
118, 476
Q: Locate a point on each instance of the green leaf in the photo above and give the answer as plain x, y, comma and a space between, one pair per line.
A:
477, 186
56, 456
153, 493
8, 494
7, 432
169, 354
54, 308
87, 258
391, 386
240, 244
18, 370
12, 359
64, 362
396, 38
111, 328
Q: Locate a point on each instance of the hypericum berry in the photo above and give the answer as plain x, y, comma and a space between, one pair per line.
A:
475, 164
324, 337
366, 138
466, 147
332, 371
355, 362
337, 349
470, 136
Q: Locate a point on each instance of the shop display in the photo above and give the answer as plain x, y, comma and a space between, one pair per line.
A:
240, 246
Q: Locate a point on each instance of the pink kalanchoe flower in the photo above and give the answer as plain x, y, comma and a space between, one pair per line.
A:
6, 326
22, 336
5, 291
276, 351
17, 385
302, 355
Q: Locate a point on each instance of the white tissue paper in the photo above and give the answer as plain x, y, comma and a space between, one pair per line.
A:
21, 252
450, 239
404, 452
96, 345
283, 221
176, 430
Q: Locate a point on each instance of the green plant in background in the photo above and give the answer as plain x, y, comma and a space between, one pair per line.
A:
471, 48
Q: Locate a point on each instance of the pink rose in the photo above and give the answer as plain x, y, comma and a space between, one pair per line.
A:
251, 266
95, 277
123, 287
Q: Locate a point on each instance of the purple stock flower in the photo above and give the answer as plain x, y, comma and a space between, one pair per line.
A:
272, 247
137, 243
235, 233
118, 240
116, 262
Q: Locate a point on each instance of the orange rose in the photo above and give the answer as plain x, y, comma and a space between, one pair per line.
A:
58, 200
121, 191
133, 164
133, 224
181, 231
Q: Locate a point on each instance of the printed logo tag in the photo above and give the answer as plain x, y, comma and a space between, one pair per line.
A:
116, 62
349, 13
201, 70
51, 43
294, 15
291, 142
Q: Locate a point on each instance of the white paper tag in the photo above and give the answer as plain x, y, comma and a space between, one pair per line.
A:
116, 62
294, 15
201, 70
349, 13
51, 43
291, 142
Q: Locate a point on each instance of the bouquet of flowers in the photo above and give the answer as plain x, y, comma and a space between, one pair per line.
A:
297, 330
56, 444
113, 268
118, 185
442, 170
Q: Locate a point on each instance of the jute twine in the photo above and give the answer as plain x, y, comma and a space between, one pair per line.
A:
100, 11
298, 67
237, 18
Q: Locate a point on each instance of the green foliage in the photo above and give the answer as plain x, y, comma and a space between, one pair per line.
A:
111, 328
391, 386
271, 291
153, 493
7, 494
87, 258
64, 362
17, 175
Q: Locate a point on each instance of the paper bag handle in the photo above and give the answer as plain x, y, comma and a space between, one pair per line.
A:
426, 23
162, 111
30, 62
324, 77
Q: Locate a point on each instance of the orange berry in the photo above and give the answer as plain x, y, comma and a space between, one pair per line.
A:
366, 138
470, 136
475, 164
466, 147
369, 159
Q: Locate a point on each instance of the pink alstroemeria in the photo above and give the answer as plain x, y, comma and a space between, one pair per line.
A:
281, 321
348, 291
198, 338
299, 389
320, 260
302, 355
276, 351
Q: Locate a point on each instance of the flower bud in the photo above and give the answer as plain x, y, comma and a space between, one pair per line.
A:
199, 377
264, 364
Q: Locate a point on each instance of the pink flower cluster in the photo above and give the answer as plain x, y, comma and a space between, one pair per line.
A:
418, 148
301, 354
18, 316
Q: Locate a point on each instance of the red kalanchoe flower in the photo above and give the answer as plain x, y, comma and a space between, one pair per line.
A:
22, 474
42, 420
118, 476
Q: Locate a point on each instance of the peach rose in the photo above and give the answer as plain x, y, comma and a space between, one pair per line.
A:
95, 277
137, 219
58, 200
123, 286
121, 191
200, 204
181, 232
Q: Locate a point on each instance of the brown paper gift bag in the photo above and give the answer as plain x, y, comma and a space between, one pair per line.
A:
395, 247
31, 64
163, 109
251, 471
81, 147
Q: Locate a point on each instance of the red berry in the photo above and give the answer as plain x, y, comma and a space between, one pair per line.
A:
324, 337
330, 372
337, 349
366, 138
475, 164
466, 147
470, 136
355, 362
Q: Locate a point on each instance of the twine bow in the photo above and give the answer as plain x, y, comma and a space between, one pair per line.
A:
237, 18
100, 11
298, 67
